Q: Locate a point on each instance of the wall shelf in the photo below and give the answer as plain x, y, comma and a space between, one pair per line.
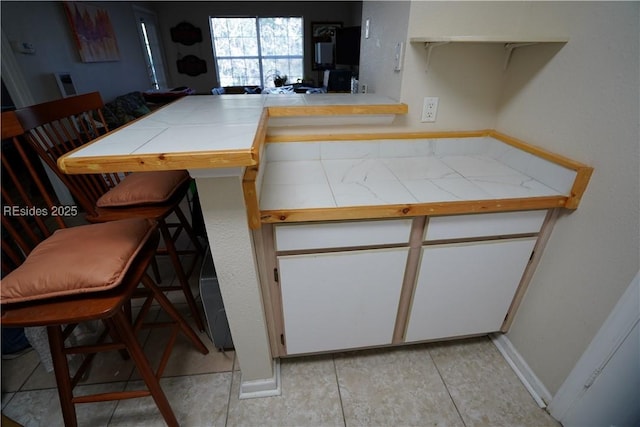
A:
510, 43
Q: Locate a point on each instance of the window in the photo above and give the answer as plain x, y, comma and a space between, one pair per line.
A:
251, 51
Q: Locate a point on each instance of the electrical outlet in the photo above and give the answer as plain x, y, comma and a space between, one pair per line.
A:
429, 109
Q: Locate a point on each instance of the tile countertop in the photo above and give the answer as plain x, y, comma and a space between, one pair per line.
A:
209, 123
384, 172
210, 131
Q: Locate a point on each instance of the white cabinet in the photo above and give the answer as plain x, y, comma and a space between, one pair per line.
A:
466, 288
340, 300
352, 284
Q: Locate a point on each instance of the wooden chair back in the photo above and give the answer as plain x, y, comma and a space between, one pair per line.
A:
57, 127
27, 220
28, 207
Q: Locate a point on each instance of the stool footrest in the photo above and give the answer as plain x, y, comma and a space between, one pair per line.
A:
115, 395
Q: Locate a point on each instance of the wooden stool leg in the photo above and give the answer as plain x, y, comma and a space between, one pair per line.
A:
115, 338
182, 278
189, 230
156, 270
61, 369
123, 327
170, 309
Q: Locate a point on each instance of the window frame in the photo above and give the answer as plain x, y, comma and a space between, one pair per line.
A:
151, 45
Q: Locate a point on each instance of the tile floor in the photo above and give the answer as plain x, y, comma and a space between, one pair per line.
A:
455, 383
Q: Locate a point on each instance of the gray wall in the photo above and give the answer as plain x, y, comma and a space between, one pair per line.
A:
386, 28
45, 25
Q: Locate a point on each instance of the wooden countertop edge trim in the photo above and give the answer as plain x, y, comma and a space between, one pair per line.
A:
250, 175
260, 136
153, 162
579, 187
410, 210
537, 151
336, 110
445, 208
214, 158
66, 163
379, 135
583, 172
250, 193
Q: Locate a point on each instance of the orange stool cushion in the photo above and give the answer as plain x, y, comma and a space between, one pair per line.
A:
143, 188
77, 260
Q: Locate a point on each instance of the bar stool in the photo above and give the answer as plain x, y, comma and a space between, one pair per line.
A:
58, 279
57, 127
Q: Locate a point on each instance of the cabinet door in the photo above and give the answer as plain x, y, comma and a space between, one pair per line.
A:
466, 288
340, 300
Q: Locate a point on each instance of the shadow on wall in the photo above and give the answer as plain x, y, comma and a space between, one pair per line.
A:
472, 80
523, 68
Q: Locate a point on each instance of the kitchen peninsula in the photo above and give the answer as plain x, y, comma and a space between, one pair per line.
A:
342, 240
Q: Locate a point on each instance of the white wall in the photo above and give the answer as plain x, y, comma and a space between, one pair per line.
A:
466, 78
377, 51
197, 13
584, 104
579, 99
45, 25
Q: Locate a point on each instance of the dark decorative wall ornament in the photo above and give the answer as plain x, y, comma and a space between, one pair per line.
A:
186, 34
191, 65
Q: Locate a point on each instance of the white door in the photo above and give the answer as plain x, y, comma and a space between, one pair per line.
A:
340, 300
466, 288
152, 47
603, 388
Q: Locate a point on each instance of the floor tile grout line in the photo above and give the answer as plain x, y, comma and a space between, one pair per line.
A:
111, 420
226, 418
115, 407
130, 378
127, 383
335, 370
455, 405
28, 377
8, 402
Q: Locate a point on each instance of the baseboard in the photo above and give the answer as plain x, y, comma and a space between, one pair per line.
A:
528, 378
264, 387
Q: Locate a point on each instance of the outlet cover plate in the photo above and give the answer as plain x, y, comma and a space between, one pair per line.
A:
430, 109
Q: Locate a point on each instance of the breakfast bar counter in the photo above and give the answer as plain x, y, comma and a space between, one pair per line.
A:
222, 131
303, 226
217, 138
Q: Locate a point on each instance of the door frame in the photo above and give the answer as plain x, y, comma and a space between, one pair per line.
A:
159, 55
621, 321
